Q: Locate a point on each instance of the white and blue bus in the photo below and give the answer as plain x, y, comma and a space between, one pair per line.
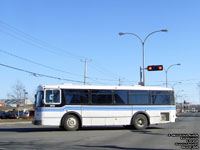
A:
74, 106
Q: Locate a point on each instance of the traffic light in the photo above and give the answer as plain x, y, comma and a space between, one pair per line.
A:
155, 68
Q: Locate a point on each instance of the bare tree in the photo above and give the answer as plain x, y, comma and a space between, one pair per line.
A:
17, 92
17, 95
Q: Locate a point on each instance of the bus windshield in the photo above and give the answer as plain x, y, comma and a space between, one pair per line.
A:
39, 98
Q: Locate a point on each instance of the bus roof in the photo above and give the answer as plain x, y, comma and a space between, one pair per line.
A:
102, 87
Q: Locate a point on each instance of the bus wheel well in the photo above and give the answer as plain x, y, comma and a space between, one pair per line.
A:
71, 113
143, 113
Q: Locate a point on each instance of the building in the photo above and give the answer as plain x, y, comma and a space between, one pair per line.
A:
180, 108
2, 104
17, 102
28, 102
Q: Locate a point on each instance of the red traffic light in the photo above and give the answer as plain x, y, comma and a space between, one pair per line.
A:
150, 68
155, 68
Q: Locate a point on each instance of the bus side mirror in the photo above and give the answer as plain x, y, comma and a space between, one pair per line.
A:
35, 96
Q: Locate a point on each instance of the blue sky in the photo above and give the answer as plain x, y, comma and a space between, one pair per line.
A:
58, 34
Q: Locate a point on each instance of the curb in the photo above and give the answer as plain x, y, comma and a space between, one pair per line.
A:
23, 122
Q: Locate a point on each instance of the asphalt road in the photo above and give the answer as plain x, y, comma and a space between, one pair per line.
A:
19, 136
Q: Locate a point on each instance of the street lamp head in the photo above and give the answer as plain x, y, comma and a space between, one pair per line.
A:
178, 64
164, 30
121, 33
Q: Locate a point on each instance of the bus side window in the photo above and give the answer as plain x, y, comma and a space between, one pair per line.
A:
52, 97
121, 97
160, 98
76, 97
138, 97
102, 97
172, 98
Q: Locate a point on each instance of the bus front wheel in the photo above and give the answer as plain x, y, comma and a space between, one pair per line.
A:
140, 122
71, 123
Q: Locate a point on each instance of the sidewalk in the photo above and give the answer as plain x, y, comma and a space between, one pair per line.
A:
3, 121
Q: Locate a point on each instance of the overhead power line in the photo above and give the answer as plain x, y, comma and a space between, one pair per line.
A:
31, 40
39, 74
36, 63
27, 38
52, 68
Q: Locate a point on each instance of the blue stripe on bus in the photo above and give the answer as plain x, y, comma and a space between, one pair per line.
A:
106, 108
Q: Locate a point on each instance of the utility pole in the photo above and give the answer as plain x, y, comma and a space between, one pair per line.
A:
121, 79
85, 73
119, 82
198, 85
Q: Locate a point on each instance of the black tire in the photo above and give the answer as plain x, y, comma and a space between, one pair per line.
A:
71, 123
140, 122
61, 127
128, 127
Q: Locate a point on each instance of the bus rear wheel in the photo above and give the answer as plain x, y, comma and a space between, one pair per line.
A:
140, 122
71, 123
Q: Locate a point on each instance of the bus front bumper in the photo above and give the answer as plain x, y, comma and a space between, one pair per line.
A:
37, 122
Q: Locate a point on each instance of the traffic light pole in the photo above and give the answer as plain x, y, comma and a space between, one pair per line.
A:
143, 56
140, 83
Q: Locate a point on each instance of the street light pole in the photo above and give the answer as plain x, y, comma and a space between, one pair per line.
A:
166, 72
175, 84
143, 47
176, 101
24, 101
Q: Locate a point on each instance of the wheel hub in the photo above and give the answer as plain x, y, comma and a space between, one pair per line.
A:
140, 122
71, 122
